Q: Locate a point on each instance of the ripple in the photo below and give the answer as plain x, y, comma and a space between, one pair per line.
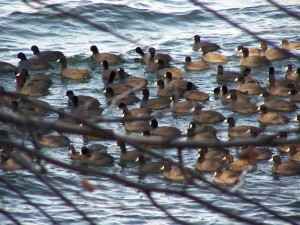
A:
169, 28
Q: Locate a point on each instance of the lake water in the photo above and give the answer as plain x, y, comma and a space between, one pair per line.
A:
169, 27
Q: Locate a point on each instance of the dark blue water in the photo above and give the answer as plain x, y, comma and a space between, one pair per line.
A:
169, 27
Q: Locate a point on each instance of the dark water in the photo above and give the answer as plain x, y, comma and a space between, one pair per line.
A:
169, 27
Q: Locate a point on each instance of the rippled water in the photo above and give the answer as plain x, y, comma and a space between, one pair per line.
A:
168, 26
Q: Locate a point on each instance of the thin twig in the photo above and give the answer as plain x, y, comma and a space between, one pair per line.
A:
11, 187
9, 215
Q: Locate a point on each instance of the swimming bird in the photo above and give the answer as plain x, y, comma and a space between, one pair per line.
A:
241, 130
82, 99
279, 82
249, 88
175, 173
47, 56
208, 165
166, 91
248, 79
195, 95
290, 75
252, 51
6, 67
136, 112
39, 106
193, 129
294, 95
240, 165
86, 111
226, 177
274, 53
136, 83
38, 79
195, 65
163, 70
294, 153
135, 125
96, 158
208, 117
5, 98
178, 83
271, 118
32, 63
109, 57
278, 104
72, 73
212, 57
253, 61
128, 98
32, 85
15, 160
145, 57
285, 168
153, 66
289, 45
154, 103
183, 107
217, 153
241, 107
255, 153
53, 140
131, 155
28, 109
198, 44
241, 96
284, 148
106, 71
148, 167
205, 136
226, 76
164, 131
120, 88
275, 88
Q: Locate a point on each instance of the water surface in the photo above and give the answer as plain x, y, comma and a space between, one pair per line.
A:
169, 27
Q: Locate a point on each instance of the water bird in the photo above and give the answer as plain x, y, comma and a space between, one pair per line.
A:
82, 99
252, 51
32, 63
131, 155
195, 65
94, 158
253, 61
175, 173
285, 168
195, 95
164, 131
6, 67
226, 177
289, 45
212, 57
290, 75
154, 103
148, 167
72, 73
198, 44
240, 130
145, 57
274, 53
271, 118
208, 165
48, 56
109, 57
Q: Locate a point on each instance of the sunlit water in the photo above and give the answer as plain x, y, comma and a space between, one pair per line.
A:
169, 27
